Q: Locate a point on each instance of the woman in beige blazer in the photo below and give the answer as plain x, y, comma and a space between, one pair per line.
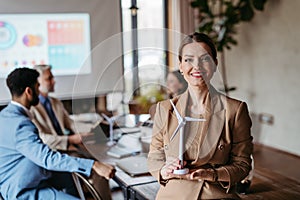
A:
217, 151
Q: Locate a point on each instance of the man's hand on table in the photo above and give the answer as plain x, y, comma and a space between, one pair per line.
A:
104, 170
77, 138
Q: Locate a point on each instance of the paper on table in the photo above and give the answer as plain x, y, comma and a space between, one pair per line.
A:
87, 117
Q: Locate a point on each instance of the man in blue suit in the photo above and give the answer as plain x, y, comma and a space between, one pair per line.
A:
28, 168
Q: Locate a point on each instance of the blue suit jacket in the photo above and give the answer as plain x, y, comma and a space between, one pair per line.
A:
24, 160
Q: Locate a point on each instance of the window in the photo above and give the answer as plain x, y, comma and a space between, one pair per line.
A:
144, 68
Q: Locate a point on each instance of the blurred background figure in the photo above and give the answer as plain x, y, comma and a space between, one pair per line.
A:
176, 84
56, 128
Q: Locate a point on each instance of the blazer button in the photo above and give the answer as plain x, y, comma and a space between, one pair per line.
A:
221, 147
166, 147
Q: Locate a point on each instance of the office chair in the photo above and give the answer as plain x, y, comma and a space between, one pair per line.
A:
82, 180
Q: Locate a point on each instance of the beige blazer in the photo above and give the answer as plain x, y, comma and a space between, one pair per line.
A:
46, 129
225, 143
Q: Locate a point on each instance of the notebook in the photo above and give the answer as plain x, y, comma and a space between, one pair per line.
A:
134, 166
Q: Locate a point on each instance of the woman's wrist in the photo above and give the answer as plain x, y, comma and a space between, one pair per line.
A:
162, 180
214, 174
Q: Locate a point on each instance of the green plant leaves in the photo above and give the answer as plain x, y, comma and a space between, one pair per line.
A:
246, 11
259, 4
230, 13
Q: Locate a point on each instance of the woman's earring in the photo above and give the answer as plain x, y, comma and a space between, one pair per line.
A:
181, 72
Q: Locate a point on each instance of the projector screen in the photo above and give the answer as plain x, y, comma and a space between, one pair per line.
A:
80, 39
60, 39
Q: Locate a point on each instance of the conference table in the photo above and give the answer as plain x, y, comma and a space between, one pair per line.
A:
133, 187
265, 182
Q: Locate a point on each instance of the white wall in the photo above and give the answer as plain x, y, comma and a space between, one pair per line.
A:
265, 68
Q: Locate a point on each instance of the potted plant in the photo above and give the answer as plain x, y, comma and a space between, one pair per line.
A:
142, 103
219, 19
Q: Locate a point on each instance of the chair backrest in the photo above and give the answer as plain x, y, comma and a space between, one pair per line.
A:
81, 180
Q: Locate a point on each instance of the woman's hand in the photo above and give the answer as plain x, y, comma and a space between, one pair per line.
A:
204, 174
105, 170
172, 164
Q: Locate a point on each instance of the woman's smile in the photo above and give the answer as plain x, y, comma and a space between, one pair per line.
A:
198, 74
197, 65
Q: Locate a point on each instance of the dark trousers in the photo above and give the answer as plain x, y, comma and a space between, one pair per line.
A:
62, 181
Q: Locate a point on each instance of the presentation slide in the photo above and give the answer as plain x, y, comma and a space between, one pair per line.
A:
82, 40
61, 40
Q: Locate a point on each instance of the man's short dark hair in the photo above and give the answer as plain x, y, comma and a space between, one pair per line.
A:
19, 79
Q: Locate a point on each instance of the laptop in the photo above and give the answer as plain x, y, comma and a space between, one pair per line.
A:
134, 166
119, 151
126, 146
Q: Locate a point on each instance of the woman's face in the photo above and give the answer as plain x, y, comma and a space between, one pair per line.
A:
173, 84
197, 64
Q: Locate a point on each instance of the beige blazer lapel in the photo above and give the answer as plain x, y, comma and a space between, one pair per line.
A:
212, 129
210, 132
46, 118
212, 136
182, 104
200, 126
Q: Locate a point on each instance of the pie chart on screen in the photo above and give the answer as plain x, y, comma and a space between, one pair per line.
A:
8, 35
